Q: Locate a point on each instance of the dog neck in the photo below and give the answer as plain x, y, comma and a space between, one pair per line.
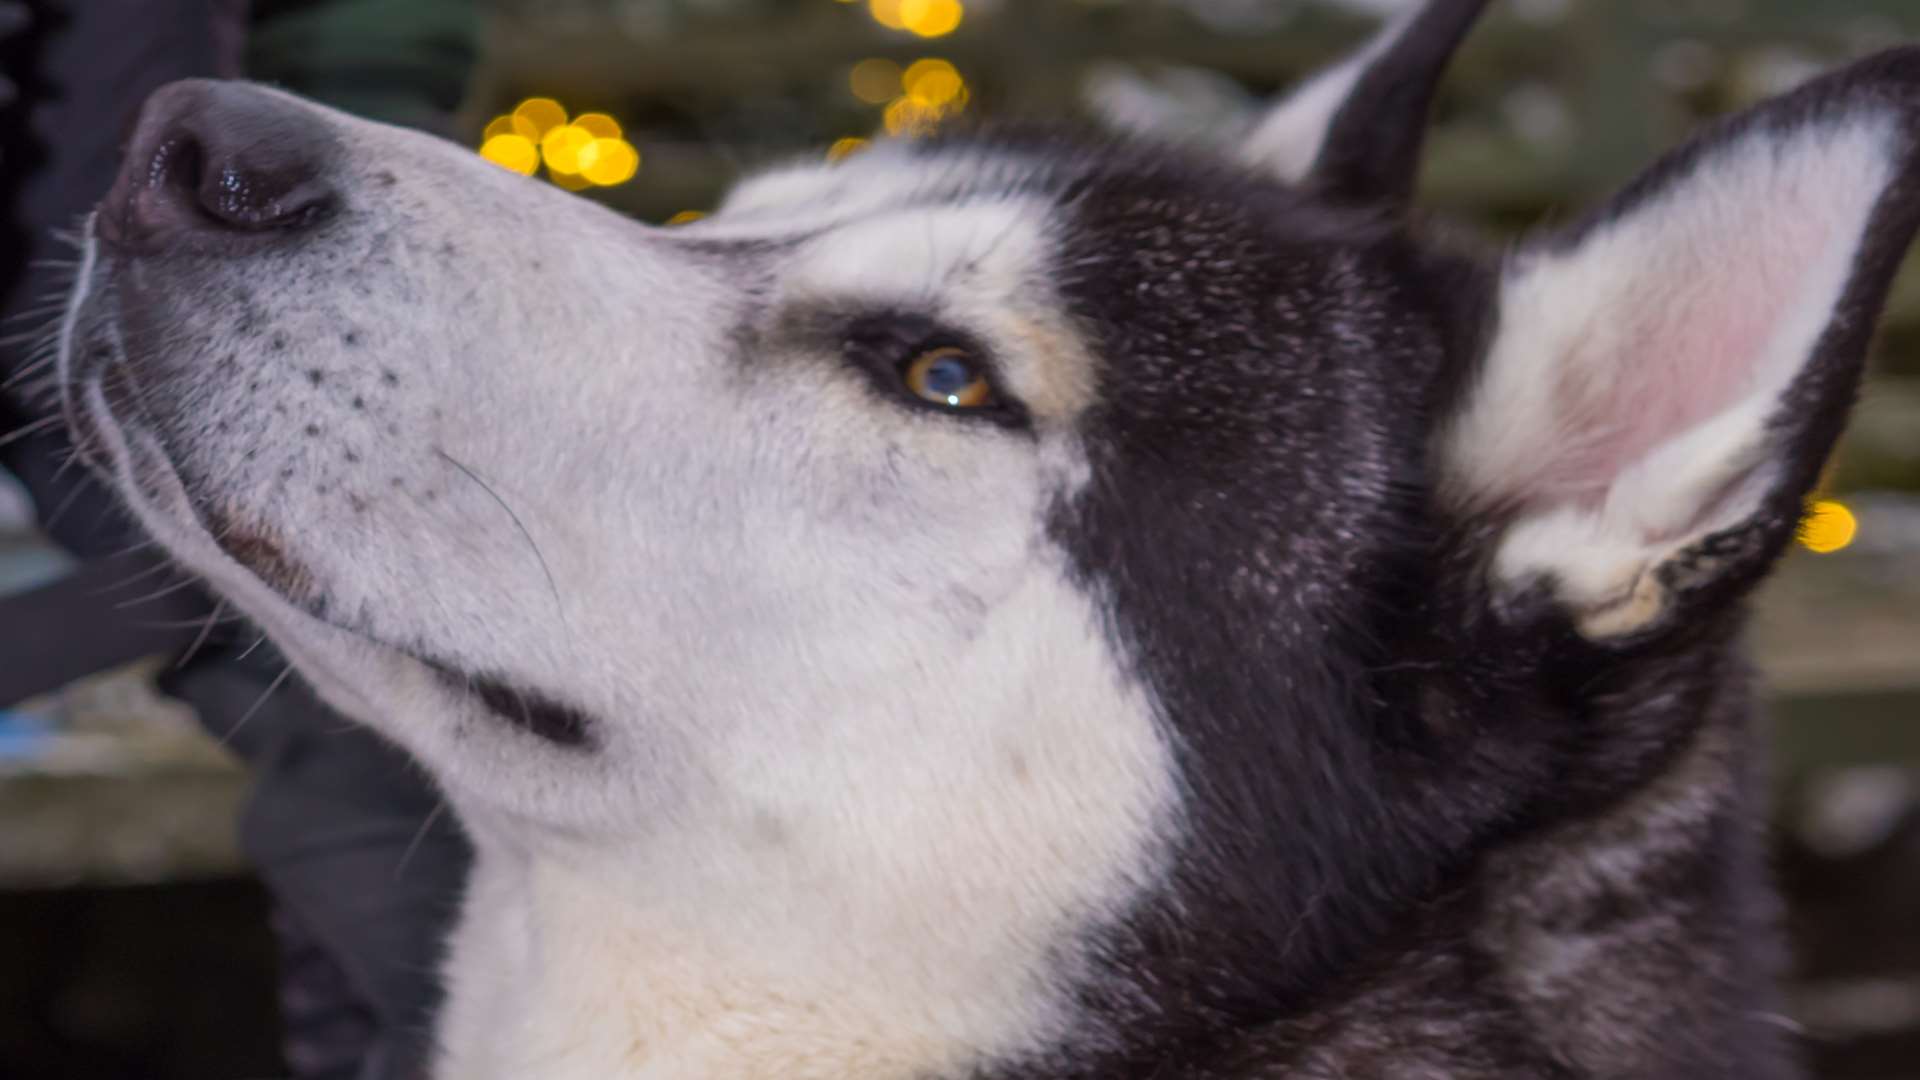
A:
894, 888
555, 974
558, 971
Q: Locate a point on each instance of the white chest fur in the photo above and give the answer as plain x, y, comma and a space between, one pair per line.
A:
893, 911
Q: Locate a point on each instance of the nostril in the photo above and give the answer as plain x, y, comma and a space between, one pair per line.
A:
211, 162
157, 194
258, 201
176, 167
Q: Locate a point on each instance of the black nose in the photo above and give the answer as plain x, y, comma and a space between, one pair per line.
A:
213, 164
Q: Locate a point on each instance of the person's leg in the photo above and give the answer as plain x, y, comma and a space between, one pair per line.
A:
364, 864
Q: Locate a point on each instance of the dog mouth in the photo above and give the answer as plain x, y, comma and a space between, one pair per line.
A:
117, 432
263, 552
163, 484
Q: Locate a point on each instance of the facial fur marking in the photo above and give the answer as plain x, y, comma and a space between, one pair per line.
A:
529, 710
981, 266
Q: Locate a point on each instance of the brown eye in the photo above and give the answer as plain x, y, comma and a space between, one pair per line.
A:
948, 376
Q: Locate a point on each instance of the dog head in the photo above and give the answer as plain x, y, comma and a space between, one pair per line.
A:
998, 529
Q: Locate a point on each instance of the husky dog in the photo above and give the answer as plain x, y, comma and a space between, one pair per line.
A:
1018, 606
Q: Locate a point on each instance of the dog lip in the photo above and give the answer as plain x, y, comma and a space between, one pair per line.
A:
100, 386
529, 710
257, 548
261, 551
110, 230
88, 441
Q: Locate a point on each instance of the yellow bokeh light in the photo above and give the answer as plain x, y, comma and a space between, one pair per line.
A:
541, 115
514, 152
1828, 527
887, 13
609, 161
511, 125
911, 116
875, 81
932, 18
934, 82
845, 148
586, 151
686, 217
599, 125
562, 148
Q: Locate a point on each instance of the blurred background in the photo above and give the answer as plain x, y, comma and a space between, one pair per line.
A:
134, 941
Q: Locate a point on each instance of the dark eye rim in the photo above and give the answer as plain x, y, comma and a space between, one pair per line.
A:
886, 345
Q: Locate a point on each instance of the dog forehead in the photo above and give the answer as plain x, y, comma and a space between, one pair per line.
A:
930, 255
1097, 257
811, 195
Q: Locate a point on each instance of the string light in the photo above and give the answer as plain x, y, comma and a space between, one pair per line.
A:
539, 116
515, 153
932, 18
926, 18
909, 116
609, 162
561, 147
600, 125
589, 150
1828, 527
875, 81
929, 91
933, 82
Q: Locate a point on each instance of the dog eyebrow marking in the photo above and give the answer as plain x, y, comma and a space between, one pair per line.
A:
529, 710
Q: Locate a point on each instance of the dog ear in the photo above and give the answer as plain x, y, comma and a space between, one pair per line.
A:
1664, 382
1355, 130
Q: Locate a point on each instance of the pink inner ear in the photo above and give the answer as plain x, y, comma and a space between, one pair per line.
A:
1690, 336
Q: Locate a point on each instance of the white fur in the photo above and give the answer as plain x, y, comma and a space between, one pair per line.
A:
1738, 265
806, 197
816, 922
869, 765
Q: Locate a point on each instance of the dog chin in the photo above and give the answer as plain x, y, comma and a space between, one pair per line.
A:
316, 646
170, 505
115, 436
242, 560
243, 556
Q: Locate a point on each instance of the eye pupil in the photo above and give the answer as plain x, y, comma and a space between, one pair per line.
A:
949, 376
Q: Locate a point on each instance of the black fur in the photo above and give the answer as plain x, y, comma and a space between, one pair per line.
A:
519, 706
1372, 149
1411, 800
